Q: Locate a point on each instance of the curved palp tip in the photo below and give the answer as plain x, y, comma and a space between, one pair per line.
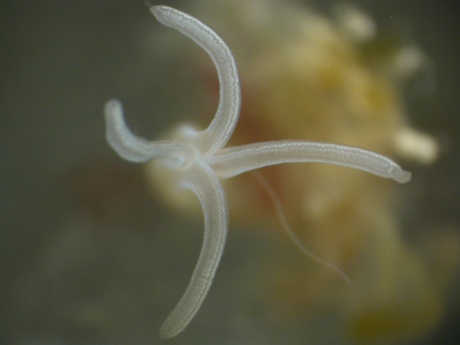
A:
113, 110
404, 177
401, 176
166, 333
158, 10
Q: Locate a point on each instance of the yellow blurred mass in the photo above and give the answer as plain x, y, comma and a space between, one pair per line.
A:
307, 76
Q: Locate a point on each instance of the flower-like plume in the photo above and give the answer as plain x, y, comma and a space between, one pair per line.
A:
199, 160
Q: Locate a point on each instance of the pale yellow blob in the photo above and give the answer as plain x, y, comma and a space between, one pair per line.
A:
305, 76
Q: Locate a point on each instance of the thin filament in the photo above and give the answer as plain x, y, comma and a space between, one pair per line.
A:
290, 232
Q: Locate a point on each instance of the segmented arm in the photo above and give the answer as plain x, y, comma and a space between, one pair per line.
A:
237, 160
136, 149
204, 183
223, 124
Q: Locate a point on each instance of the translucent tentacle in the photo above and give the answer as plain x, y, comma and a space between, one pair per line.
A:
237, 160
204, 183
223, 124
136, 149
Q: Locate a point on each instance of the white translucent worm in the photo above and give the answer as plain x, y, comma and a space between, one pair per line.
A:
198, 159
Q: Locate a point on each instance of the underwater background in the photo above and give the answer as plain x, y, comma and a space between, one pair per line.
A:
90, 255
